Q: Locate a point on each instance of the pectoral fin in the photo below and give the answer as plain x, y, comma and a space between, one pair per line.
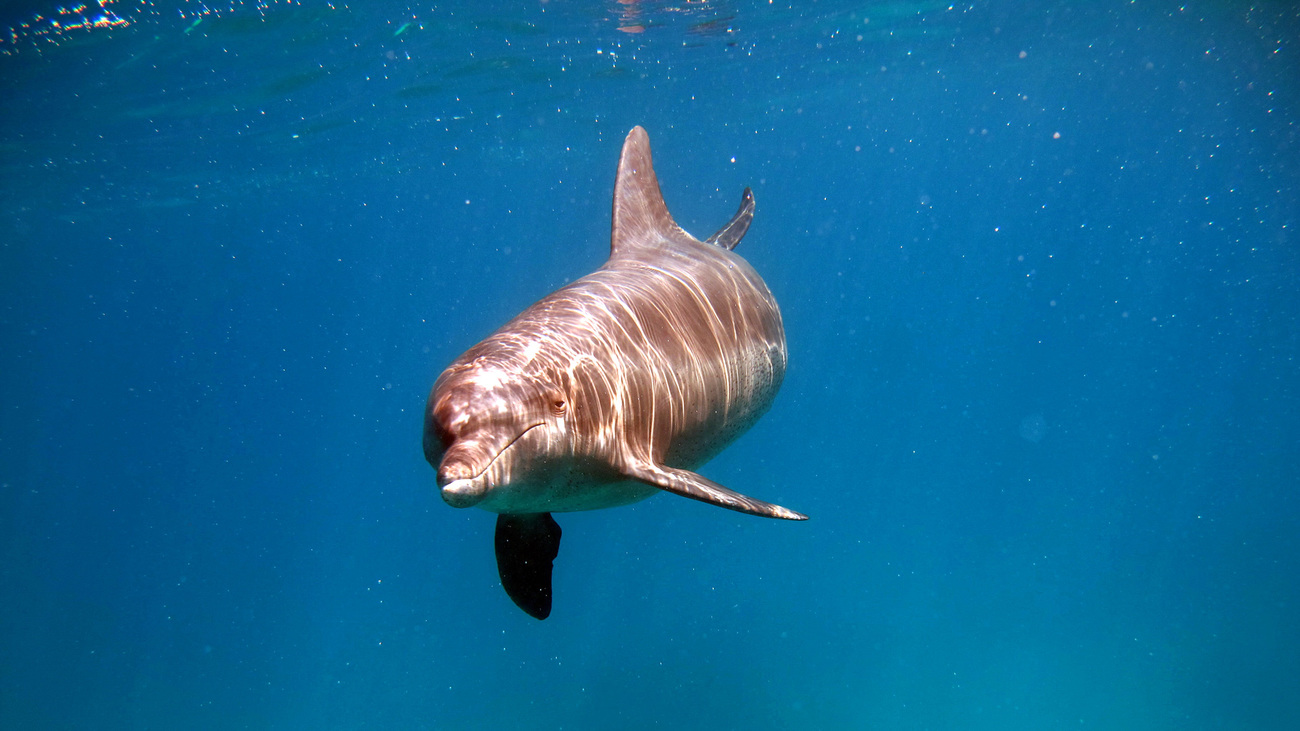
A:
728, 236
526, 549
688, 484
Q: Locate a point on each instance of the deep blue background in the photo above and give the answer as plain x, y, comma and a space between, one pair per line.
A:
1038, 264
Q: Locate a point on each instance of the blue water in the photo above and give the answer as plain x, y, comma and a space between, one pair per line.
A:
1039, 272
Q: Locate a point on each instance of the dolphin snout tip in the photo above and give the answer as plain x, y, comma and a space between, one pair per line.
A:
461, 493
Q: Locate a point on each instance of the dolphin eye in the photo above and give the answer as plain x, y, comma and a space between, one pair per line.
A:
558, 406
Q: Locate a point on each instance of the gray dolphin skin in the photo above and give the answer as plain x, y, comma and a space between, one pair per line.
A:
611, 388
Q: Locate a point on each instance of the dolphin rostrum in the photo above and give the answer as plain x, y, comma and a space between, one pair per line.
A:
613, 387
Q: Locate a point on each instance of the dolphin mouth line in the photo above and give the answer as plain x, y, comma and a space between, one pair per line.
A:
497, 456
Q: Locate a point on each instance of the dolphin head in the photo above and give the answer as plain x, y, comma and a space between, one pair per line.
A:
475, 423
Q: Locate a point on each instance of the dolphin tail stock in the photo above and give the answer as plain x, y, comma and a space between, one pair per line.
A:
689, 484
526, 547
728, 236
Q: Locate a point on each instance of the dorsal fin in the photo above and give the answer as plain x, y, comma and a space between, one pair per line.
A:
641, 217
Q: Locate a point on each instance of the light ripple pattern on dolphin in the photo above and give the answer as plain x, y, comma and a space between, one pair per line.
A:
613, 387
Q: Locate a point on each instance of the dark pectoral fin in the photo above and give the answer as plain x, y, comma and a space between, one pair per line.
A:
728, 236
526, 547
691, 485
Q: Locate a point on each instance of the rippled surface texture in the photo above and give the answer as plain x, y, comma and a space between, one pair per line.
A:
1037, 265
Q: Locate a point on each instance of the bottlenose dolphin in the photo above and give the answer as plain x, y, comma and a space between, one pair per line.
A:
613, 387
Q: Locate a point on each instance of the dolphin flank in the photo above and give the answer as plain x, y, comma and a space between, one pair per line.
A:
613, 387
